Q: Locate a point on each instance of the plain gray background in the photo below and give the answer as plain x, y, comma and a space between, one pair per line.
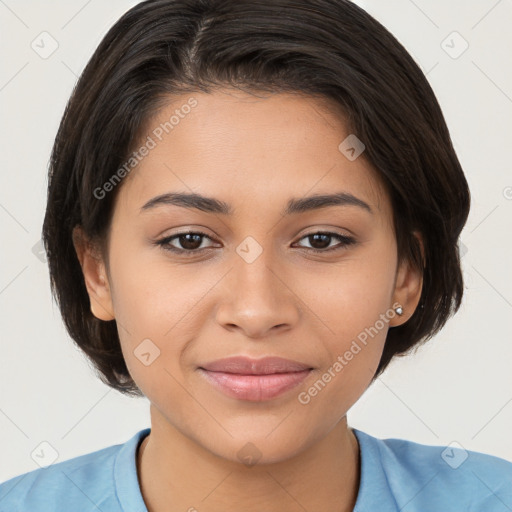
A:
458, 387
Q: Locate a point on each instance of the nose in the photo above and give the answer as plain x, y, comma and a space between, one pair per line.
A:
256, 298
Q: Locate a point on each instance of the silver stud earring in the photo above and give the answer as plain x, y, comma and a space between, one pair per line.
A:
399, 311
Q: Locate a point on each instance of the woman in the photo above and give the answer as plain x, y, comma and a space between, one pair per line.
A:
253, 207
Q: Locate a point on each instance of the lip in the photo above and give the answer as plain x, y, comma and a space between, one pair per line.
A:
255, 379
242, 365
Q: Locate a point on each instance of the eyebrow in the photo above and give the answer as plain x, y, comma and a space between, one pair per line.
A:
294, 206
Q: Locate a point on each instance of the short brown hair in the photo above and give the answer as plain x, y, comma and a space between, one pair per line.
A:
329, 49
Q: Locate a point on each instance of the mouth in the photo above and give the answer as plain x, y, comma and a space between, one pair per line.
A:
255, 379
243, 365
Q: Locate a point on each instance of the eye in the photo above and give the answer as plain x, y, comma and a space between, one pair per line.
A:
323, 240
190, 242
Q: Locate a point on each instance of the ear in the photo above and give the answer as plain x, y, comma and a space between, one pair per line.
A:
95, 276
408, 286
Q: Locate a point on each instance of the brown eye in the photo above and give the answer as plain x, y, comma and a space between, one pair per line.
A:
189, 242
319, 242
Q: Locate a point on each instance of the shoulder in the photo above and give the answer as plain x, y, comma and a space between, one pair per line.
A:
85, 483
424, 477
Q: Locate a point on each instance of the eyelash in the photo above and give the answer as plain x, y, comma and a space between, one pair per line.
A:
165, 242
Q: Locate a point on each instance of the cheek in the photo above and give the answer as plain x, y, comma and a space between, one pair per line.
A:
350, 295
159, 301
150, 293
354, 304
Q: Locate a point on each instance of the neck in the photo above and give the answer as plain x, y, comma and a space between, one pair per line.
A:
173, 469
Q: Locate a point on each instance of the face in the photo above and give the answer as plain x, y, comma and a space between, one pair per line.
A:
315, 285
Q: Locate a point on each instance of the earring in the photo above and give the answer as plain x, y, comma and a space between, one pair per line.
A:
399, 311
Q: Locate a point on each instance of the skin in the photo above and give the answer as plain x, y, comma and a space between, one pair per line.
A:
254, 153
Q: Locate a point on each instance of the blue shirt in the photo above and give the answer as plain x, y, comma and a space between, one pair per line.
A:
396, 475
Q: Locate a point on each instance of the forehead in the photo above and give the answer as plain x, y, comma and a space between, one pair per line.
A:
246, 150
